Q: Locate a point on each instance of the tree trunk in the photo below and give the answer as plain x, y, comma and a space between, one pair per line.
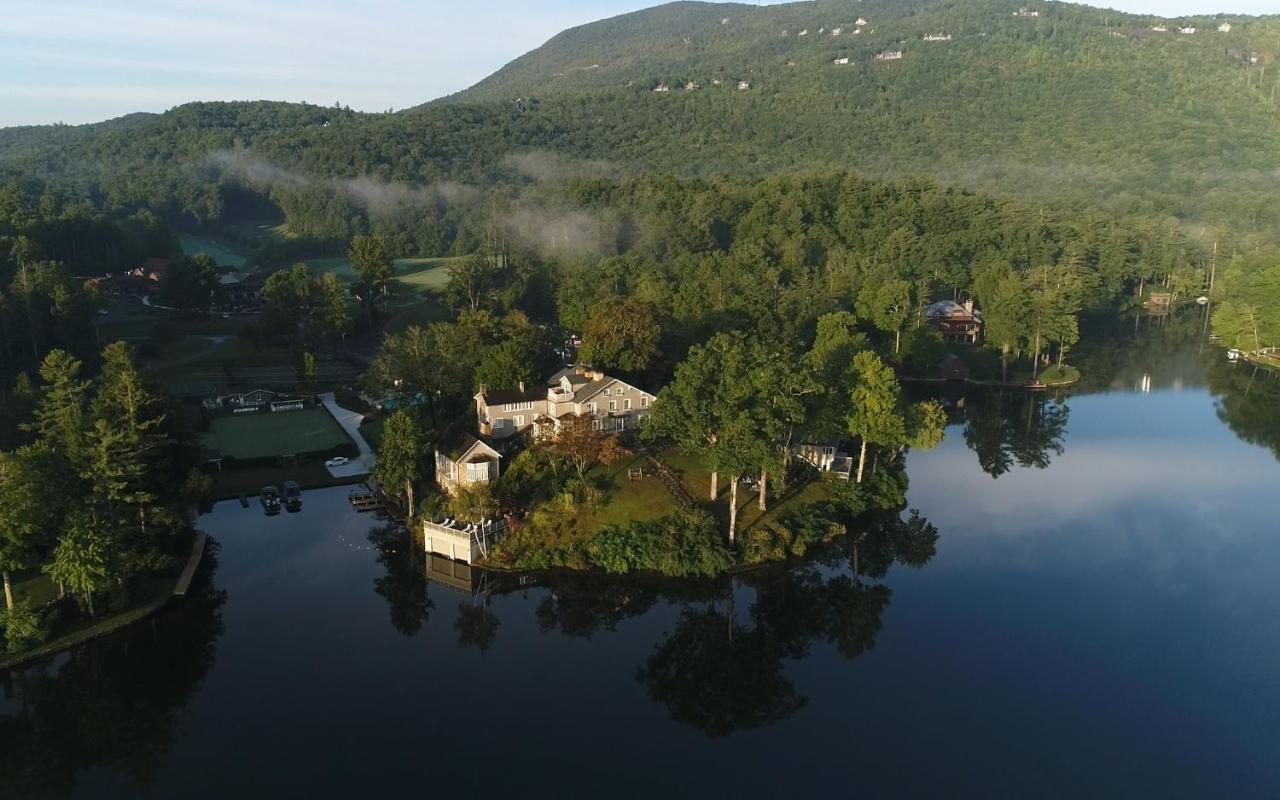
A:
408, 493
897, 341
715, 485
862, 459
764, 490
1035, 361
1004, 364
88, 601
8, 592
733, 509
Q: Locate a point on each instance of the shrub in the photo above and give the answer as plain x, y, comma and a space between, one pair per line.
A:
23, 628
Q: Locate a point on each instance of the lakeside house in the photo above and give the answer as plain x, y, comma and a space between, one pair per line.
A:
825, 457
462, 460
957, 322
614, 404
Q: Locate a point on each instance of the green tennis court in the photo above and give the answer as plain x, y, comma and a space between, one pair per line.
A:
265, 434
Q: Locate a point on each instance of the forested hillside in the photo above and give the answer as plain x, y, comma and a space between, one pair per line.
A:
1075, 103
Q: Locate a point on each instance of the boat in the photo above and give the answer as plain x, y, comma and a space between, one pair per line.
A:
292, 496
1234, 355
270, 497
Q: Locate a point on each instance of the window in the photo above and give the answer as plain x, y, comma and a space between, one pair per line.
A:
517, 406
499, 423
606, 392
613, 406
622, 390
644, 401
626, 404
478, 471
591, 407
519, 421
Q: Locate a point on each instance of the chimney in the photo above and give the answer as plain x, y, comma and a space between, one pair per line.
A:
482, 390
521, 387
968, 305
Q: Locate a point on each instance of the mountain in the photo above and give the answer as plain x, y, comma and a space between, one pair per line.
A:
1052, 102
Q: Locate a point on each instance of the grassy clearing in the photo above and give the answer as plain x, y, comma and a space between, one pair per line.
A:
696, 477
264, 434
421, 274
224, 253
627, 501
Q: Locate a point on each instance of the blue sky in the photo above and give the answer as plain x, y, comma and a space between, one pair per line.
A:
81, 61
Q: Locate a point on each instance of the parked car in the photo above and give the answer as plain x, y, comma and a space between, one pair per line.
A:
292, 496
340, 461
270, 498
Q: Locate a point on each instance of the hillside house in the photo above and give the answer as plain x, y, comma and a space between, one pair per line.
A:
889, 55
836, 31
1026, 12
861, 22
614, 404
937, 37
662, 87
692, 86
744, 85
462, 460
841, 61
1160, 28
956, 322
153, 269
1187, 31
1224, 27
804, 32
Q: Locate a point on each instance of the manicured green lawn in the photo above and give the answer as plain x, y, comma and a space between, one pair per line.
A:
697, 479
628, 501
422, 274
224, 253
264, 434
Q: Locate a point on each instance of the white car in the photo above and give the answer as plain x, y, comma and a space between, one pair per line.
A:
340, 461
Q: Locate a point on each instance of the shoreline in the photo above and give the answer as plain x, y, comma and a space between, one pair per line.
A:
124, 619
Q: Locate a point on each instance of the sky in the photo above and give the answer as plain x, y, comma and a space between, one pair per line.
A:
78, 61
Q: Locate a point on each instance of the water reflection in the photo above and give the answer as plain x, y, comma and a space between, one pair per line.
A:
1014, 428
114, 703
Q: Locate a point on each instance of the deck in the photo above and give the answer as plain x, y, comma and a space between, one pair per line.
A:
189, 571
465, 543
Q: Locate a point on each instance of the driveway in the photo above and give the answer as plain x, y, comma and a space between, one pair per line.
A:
350, 422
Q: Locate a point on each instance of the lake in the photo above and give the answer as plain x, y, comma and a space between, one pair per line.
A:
1097, 617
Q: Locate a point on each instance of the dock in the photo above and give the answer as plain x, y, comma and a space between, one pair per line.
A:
193, 563
365, 499
465, 543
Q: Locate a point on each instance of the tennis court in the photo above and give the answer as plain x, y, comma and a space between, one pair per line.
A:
265, 434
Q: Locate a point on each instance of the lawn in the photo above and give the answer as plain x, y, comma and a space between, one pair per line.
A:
627, 500
697, 479
265, 434
419, 274
223, 253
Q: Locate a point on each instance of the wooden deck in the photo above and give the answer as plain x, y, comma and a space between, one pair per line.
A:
462, 543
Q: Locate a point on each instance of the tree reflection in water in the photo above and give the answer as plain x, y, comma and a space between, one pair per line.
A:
1008, 428
404, 586
114, 702
722, 668
1248, 402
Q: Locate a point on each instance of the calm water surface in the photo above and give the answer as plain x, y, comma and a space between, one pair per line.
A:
1100, 618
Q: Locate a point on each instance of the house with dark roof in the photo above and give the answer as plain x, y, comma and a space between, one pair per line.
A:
239, 288
614, 404
462, 460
